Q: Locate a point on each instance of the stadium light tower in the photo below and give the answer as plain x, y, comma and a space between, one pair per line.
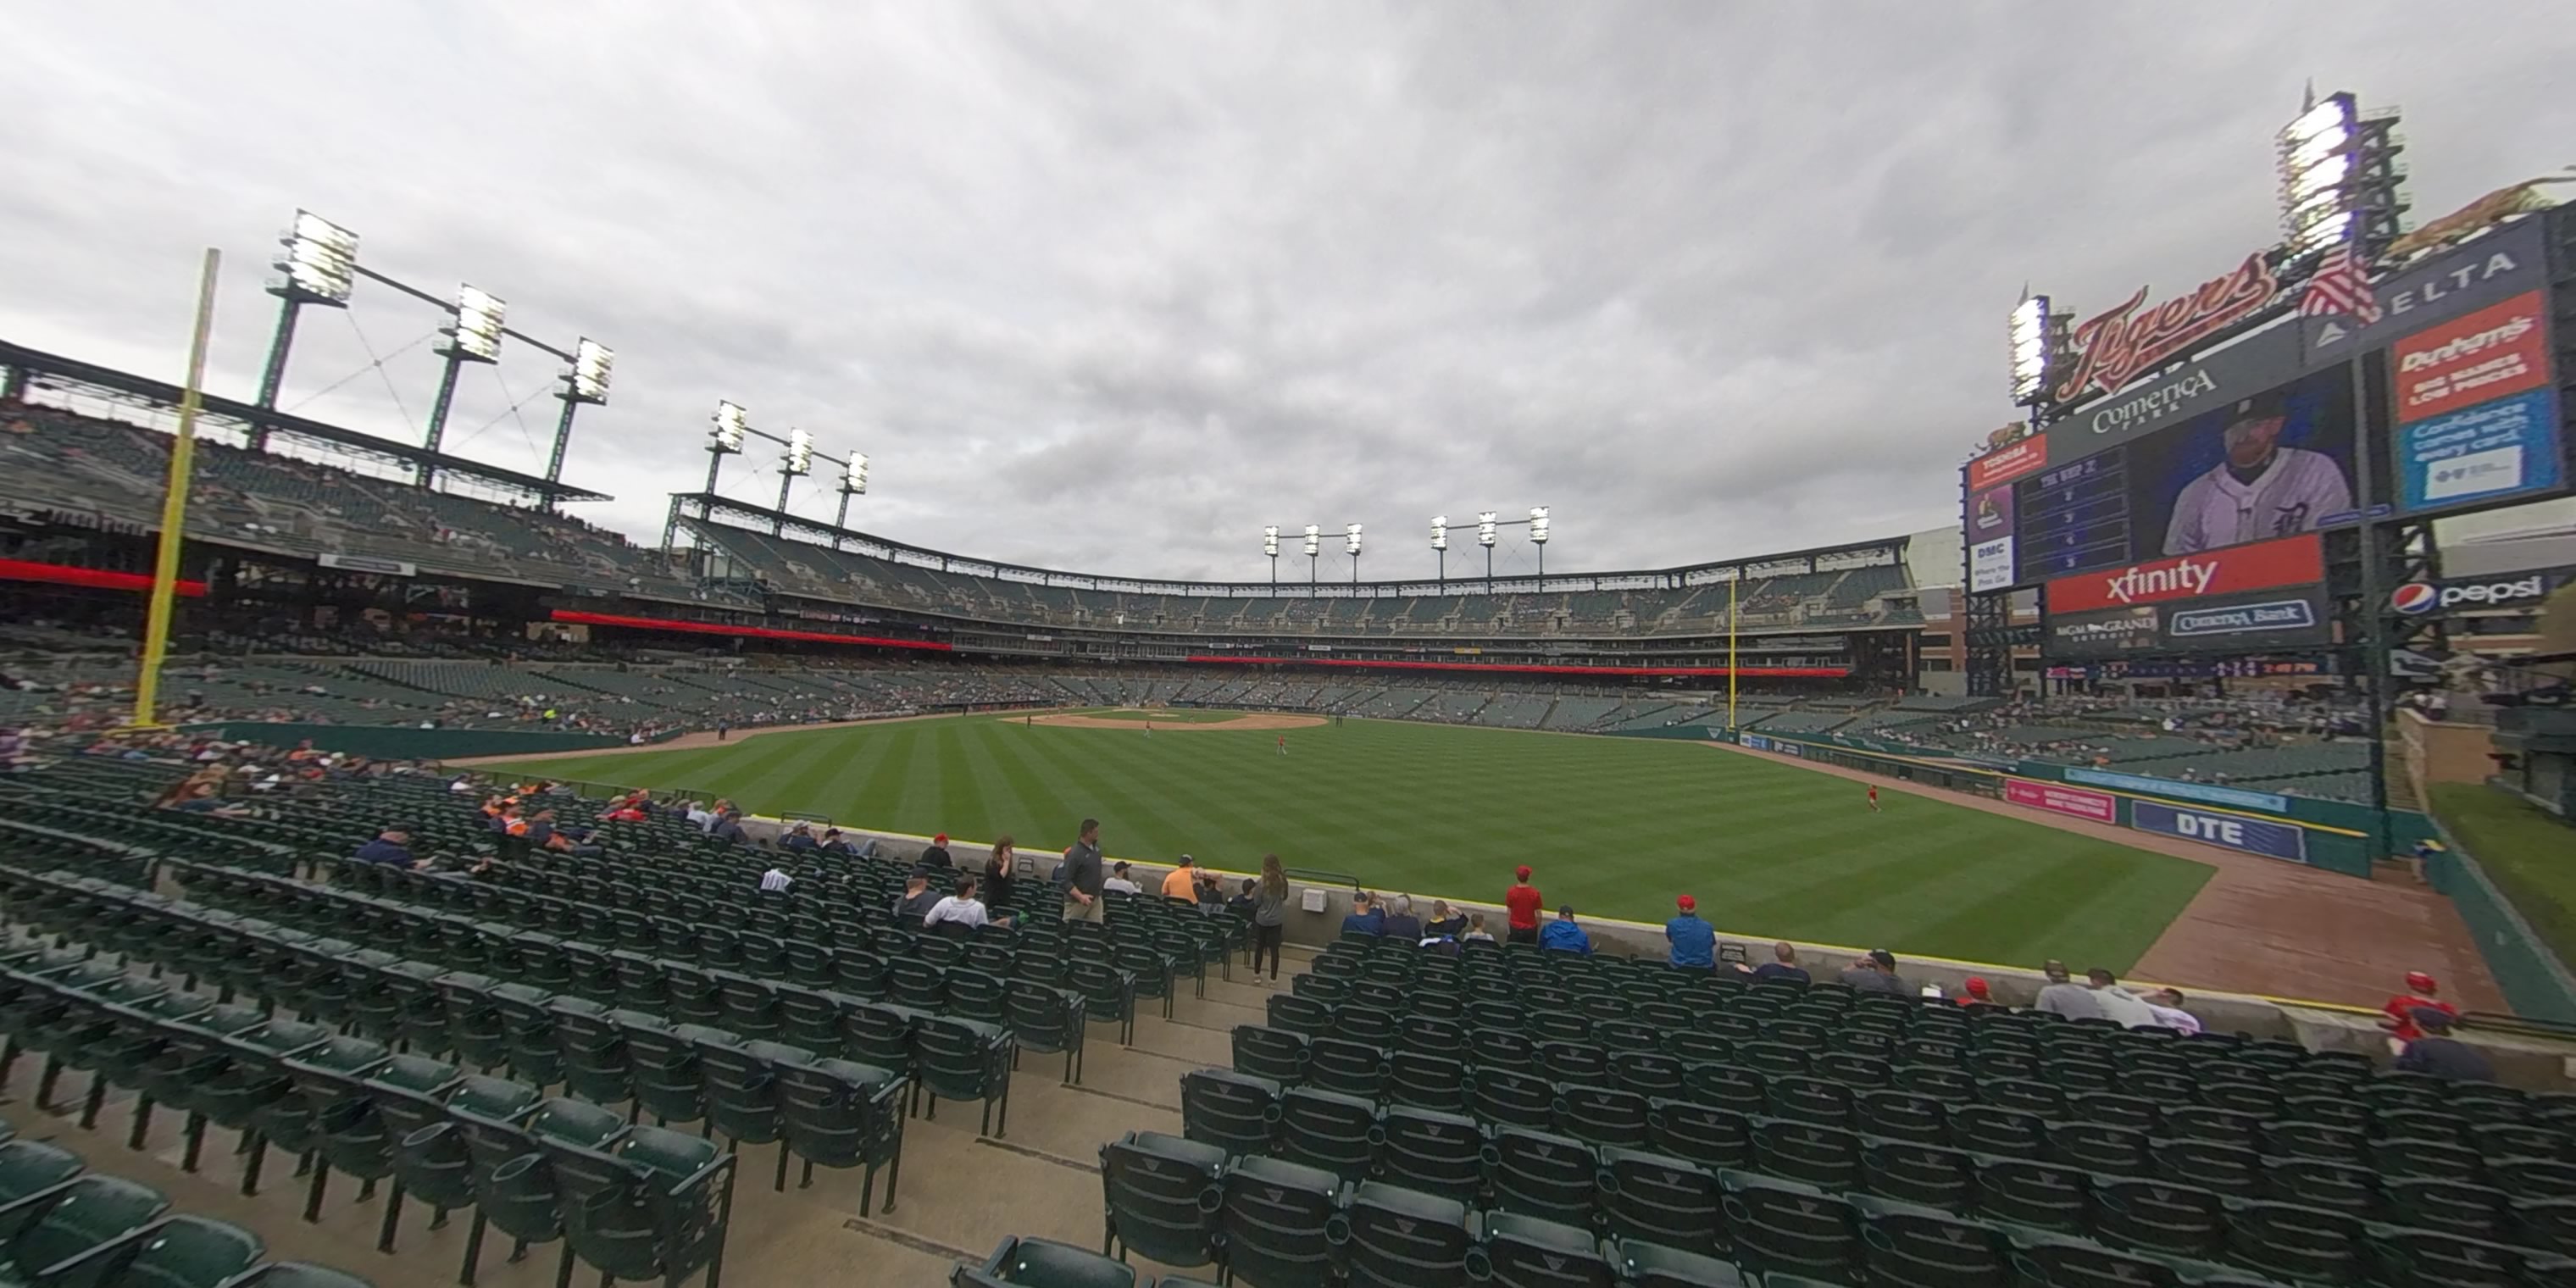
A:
1538, 535
1485, 538
2034, 349
475, 336
794, 463
732, 425
1440, 547
1351, 543
585, 382
2339, 178
1314, 546
320, 261
1270, 547
854, 482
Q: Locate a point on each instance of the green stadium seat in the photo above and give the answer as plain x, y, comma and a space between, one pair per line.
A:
2042, 1196
1713, 1137
1825, 1157
50, 1229
1905, 1245
1534, 1173
1779, 1226
1162, 1197
1235, 1112
1330, 1131
1434, 1152
1399, 1238
2294, 1244
1659, 1199
2158, 1217
1347, 1068
1925, 1175
1277, 1220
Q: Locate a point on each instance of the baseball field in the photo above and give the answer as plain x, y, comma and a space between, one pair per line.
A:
1614, 826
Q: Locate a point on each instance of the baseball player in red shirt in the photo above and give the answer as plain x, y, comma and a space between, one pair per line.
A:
1873, 798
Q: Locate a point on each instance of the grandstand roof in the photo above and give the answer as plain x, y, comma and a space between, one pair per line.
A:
1858, 553
228, 413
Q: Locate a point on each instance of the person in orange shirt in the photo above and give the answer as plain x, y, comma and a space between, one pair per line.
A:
1183, 881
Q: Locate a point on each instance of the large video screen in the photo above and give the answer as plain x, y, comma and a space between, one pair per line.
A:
2274, 464
2259, 439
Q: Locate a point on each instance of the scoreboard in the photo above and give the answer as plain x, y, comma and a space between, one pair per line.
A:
2273, 463
2075, 517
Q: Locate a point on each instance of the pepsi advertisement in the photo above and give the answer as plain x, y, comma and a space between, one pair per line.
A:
2526, 590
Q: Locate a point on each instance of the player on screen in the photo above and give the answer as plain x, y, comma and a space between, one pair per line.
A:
2262, 490
1873, 798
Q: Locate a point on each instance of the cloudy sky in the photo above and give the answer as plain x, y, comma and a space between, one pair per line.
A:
1111, 286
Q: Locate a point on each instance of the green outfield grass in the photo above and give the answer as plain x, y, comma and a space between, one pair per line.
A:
1615, 826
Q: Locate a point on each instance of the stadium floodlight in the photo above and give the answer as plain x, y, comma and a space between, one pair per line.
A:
479, 316
1538, 535
1270, 547
854, 475
2032, 355
1440, 532
2319, 155
1485, 529
592, 364
799, 456
321, 259
732, 423
1351, 543
1314, 547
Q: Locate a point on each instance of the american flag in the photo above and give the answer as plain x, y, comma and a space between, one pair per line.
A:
2340, 286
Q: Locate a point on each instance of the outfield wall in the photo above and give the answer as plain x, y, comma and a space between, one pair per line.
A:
2331, 836
410, 742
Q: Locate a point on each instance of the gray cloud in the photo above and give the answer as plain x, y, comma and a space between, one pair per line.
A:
1111, 286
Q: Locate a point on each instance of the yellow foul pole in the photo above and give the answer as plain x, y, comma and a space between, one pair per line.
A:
1730, 653
174, 504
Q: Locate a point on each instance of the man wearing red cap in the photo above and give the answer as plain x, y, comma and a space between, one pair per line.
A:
1694, 941
1522, 901
1976, 992
2420, 995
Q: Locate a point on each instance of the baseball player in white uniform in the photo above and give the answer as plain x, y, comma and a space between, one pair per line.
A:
2262, 490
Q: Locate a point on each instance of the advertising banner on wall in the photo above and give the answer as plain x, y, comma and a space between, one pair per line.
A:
2485, 271
2476, 417
2235, 831
2290, 561
2210, 792
2096, 806
1990, 539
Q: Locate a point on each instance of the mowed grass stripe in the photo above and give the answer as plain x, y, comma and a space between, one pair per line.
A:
1614, 826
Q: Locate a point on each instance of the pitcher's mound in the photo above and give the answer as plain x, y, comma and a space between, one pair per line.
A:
1262, 720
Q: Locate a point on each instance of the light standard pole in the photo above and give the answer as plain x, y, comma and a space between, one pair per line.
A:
1270, 547
854, 482
1485, 538
1538, 536
1351, 542
1314, 545
1440, 546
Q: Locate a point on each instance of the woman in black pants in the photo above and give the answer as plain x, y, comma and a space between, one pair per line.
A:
1269, 915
